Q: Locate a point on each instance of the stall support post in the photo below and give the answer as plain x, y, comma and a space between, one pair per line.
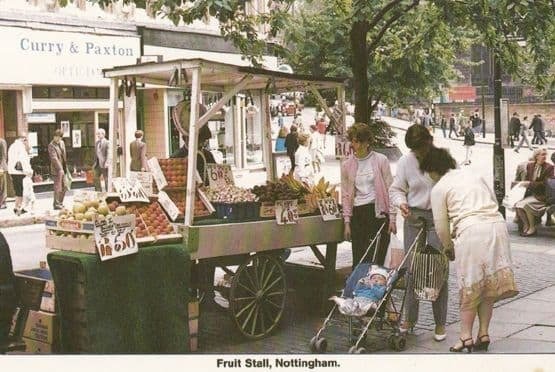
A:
129, 124
329, 271
267, 135
342, 127
193, 147
113, 121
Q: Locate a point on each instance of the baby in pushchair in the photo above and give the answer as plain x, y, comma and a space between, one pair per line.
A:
367, 293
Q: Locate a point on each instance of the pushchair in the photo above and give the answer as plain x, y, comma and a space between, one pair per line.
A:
386, 312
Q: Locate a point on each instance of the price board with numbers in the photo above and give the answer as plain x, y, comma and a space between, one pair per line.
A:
130, 190
115, 236
287, 212
219, 174
329, 209
144, 178
168, 205
342, 146
157, 173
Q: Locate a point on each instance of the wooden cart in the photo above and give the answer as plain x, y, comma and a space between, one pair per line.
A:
258, 290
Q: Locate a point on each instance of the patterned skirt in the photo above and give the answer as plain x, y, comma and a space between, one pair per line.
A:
483, 264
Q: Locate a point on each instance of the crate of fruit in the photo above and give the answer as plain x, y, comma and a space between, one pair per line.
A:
175, 172
233, 203
202, 207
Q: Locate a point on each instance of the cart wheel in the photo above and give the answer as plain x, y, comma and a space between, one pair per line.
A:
355, 350
398, 343
320, 345
257, 296
313, 344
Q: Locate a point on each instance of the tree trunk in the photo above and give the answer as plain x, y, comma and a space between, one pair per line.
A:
359, 65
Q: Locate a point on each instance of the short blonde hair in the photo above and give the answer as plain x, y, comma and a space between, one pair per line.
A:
303, 139
537, 152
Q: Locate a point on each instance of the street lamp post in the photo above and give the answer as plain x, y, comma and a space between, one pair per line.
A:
483, 113
498, 152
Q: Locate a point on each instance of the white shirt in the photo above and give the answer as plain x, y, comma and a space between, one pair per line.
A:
303, 165
462, 204
410, 185
365, 192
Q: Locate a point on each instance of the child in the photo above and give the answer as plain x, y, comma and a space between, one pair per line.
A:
368, 292
28, 203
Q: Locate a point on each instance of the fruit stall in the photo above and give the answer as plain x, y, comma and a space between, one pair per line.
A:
245, 231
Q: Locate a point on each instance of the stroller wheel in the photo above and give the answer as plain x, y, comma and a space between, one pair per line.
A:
355, 350
318, 345
397, 343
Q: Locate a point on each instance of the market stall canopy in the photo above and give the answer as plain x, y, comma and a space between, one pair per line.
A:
217, 75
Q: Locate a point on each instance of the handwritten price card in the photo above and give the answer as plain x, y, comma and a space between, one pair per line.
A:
115, 236
287, 212
144, 178
157, 173
130, 190
219, 174
168, 205
329, 209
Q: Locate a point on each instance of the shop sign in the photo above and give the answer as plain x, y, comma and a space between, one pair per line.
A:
219, 174
144, 178
329, 209
115, 236
129, 190
342, 146
287, 212
157, 173
41, 117
168, 205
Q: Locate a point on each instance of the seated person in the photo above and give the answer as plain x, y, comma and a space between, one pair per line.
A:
367, 293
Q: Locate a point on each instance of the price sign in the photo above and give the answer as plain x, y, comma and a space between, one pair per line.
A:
115, 236
342, 146
157, 173
130, 191
168, 205
219, 174
287, 212
329, 209
144, 178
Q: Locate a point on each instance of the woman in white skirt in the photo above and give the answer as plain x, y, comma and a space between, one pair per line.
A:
469, 224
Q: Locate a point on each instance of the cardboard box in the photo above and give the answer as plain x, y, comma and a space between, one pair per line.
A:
37, 347
46, 298
41, 326
48, 302
193, 309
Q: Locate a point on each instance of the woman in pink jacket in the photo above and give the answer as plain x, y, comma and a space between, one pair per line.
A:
365, 180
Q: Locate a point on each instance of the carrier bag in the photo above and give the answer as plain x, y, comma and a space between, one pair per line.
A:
430, 268
395, 253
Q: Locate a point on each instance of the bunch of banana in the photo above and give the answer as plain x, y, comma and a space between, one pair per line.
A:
295, 184
322, 189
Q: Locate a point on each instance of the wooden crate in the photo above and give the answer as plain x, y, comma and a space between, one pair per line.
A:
268, 210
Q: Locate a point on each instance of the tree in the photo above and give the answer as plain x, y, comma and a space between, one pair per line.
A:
374, 26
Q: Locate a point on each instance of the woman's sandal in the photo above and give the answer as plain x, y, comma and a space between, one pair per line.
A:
480, 344
406, 327
465, 345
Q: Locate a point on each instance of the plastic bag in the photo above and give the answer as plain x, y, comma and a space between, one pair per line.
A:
395, 253
514, 195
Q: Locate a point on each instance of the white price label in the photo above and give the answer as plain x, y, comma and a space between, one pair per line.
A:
168, 205
144, 178
115, 236
343, 146
287, 212
219, 174
329, 209
130, 191
157, 173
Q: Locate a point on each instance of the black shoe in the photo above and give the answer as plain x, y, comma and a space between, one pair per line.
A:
467, 344
57, 207
482, 344
4, 206
21, 211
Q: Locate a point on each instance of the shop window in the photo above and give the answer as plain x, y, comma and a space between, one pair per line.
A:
61, 92
41, 92
103, 93
82, 92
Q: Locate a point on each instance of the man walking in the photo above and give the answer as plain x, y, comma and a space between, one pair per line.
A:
452, 128
3, 173
102, 160
443, 125
58, 167
523, 136
137, 150
536, 126
514, 129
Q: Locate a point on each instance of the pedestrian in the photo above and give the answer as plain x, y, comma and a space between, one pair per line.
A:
280, 120
316, 149
533, 205
291, 145
3, 173
514, 129
137, 150
542, 131
536, 126
523, 135
474, 233
102, 159
303, 161
322, 128
452, 125
410, 193
468, 143
550, 220
476, 123
443, 124
204, 156
58, 167
298, 121
19, 165
365, 180
461, 122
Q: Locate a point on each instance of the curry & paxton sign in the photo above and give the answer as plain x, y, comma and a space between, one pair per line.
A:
84, 47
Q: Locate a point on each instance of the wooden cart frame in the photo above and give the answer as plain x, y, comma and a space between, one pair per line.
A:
258, 287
